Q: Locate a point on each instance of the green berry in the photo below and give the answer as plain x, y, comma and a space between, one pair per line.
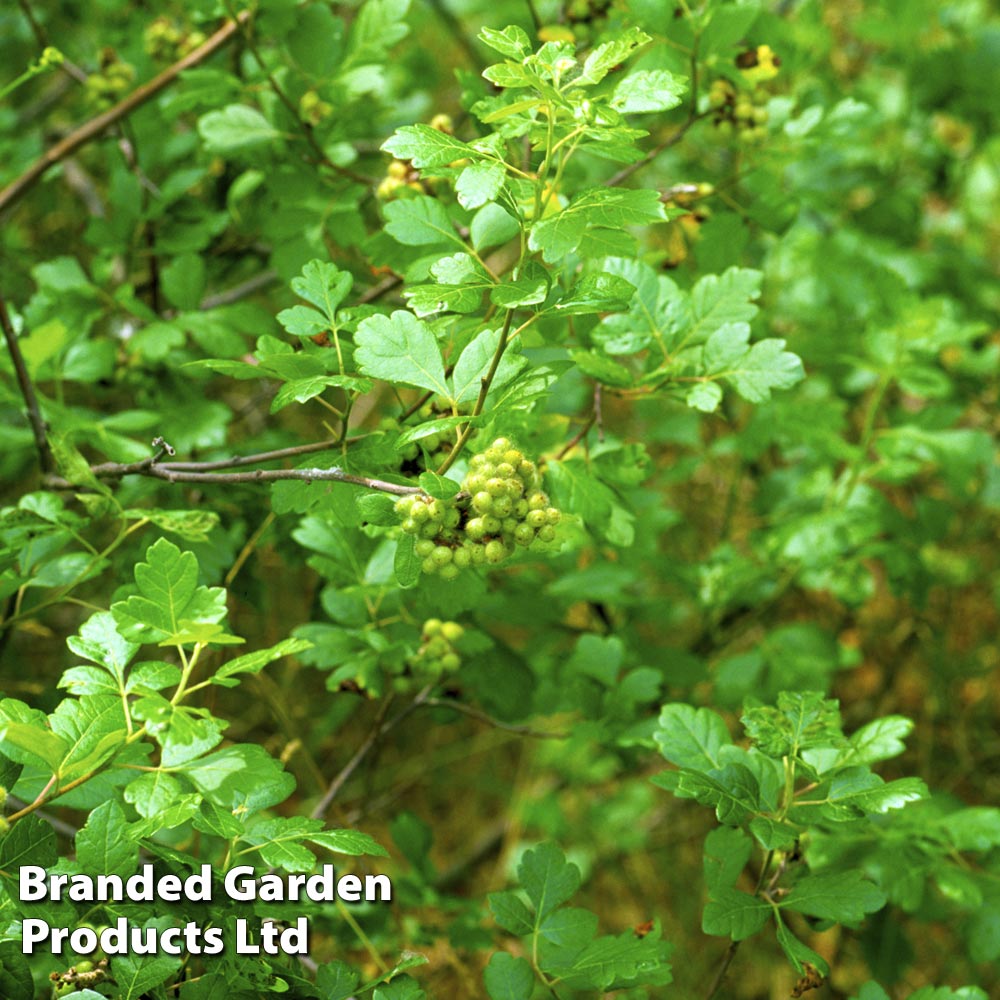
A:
524, 534
450, 662
536, 518
475, 528
449, 572
410, 526
441, 555
432, 627
491, 524
553, 515
483, 502
461, 558
496, 487
495, 551
452, 631
547, 533
429, 566
503, 506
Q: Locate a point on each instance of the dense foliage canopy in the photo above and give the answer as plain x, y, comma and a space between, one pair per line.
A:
543, 452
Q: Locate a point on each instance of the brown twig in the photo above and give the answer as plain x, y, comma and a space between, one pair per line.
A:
304, 126
100, 123
259, 459
155, 470
35, 418
671, 140
507, 727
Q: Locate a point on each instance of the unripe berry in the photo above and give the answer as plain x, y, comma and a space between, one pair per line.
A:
553, 515
524, 534
419, 512
432, 627
491, 524
495, 551
483, 502
520, 509
441, 555
505, 470
478, 554
449, 572
547, 533
452, 631
538, 501
430, 530
429, 566
508, 525
503, 506
475, 528
496, 487
410, 526
450, 662
424, 547
452, 517
461, 558
536, 518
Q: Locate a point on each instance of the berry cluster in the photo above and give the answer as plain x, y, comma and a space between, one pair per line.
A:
502, 508
437, 655
741, 112
106, 86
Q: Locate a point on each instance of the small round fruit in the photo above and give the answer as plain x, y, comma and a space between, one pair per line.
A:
441, 555
524, 534
461, 558
495, 551
475, 528
452, 631
547, 533
483, 502
536, 518
424, 547
450, 662
491, 524
449, 572
553, 515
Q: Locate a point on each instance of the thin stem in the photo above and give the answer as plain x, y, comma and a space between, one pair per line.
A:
303, 126
100, 123
156, 471
484, 391
45, 459
475, 713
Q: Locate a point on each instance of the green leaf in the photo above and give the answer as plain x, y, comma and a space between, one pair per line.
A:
135, 975
406, 562
103, 845
734, 914
99, 641
303, 389
607, 208
491, 226
253, 663
510, 913
602, 368
727, 852
479, 183
530, 288
400, 348
169, 600
881, 739
647, 91
691, 737
766, 366
801, 720
438, 486
420, 221
547, 878
512, 42
474, 364
323, 285
844, 896
183, 280
733, 791
797, 952
30, 841
426, 146
597, 293
235, 129
244, 776
609, 55
34, 740
508, 978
